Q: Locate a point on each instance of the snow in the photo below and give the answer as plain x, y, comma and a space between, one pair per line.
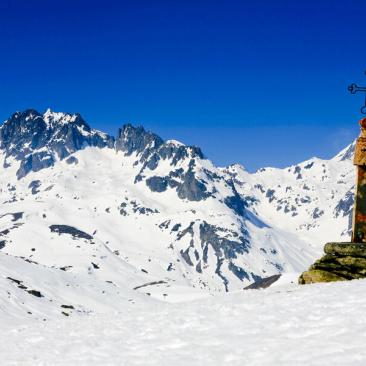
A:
174, 142
288, 199
51, 117
321, 324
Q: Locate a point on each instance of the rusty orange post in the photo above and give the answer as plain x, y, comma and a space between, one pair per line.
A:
359, 210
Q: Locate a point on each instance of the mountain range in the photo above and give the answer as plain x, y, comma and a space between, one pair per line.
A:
89, 221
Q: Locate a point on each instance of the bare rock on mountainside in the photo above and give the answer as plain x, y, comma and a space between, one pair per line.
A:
263, 282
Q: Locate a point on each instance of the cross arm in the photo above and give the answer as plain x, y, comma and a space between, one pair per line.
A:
354, 88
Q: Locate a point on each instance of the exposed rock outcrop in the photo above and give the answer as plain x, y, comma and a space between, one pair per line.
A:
341, 262
39, 140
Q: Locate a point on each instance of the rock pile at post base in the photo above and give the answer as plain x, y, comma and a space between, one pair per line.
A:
341, 262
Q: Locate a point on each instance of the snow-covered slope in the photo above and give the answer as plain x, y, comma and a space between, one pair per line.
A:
93, 221
321, 324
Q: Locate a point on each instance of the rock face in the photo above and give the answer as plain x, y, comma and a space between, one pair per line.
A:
150, 151
39, 140
263, 283
342, 261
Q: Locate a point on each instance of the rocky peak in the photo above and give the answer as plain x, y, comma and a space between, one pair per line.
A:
150, 150
132, 139
37, 141
23, 132
54, 119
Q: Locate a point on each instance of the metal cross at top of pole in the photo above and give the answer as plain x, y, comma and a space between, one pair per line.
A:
354, 88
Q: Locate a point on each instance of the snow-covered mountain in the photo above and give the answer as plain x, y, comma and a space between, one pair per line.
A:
313, 199
89, 221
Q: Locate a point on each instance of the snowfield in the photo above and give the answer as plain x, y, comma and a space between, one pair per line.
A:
323, 324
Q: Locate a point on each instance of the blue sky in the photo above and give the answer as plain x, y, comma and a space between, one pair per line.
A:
256, 82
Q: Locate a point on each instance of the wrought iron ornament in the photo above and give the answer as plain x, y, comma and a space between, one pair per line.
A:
354, 88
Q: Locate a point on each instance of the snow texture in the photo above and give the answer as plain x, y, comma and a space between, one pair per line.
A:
321, 324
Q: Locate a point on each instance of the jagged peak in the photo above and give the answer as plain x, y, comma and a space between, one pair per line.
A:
128, 129
51, 118
132, 139
37, 140
137, 140
27, 114
54, 119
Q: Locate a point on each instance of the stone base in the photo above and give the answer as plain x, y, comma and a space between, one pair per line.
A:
341, 262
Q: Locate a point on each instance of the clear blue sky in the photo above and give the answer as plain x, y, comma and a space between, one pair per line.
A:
255, 82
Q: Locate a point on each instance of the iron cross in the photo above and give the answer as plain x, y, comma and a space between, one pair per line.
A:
353, 88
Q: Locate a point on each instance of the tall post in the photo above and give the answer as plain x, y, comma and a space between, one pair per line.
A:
359, 210
347, 261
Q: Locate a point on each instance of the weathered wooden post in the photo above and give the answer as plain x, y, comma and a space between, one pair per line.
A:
347, 261
359, 210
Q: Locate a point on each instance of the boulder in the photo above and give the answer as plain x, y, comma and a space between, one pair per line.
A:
263, 282
342, 261
318, 275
